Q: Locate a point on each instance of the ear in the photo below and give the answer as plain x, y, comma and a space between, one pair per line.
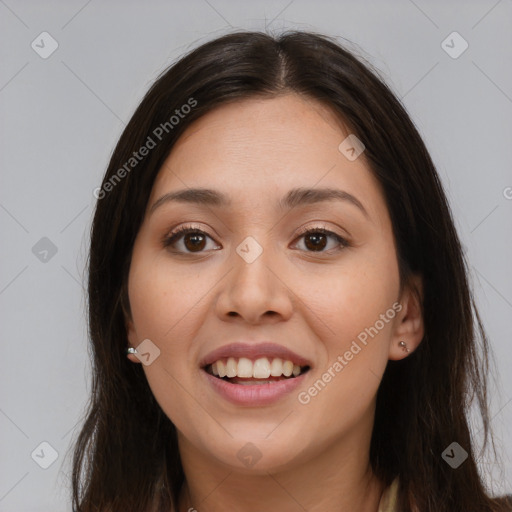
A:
409, 325
131, 333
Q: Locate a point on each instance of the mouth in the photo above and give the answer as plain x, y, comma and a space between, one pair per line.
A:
248, 372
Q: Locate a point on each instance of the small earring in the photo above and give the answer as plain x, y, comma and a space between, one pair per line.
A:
131, 350
404, 346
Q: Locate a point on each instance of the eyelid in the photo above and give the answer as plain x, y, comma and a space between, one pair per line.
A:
320, 226
343, 241
176, 234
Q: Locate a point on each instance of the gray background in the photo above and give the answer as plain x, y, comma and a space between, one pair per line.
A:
61, 116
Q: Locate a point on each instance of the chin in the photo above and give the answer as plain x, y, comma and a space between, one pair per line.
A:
257, 455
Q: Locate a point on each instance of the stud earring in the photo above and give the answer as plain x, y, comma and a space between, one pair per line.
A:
131, 350
404, 346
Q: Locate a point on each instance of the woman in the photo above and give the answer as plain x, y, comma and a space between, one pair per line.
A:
278, 299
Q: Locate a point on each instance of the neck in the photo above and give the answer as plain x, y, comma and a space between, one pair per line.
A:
339, 479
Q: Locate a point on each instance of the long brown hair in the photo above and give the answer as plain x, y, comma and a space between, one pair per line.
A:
126, 455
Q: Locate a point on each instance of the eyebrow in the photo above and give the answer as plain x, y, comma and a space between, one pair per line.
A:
294, 197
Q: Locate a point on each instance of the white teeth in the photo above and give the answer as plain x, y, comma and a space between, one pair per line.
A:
276, 368
287, 368
231, 367
244, 368
221, 368
261, 368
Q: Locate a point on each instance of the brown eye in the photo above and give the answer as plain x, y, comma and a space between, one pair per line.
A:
316, 240
194, 240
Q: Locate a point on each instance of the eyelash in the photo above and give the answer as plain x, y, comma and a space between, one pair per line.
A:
170, 239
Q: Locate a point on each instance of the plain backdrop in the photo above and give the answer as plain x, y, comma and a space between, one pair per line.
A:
61, 115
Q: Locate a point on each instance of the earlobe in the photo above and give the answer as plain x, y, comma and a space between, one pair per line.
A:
131, 335
409, 328
404, 346
131, 354
130, 351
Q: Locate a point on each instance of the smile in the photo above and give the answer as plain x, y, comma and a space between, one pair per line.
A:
253, 374
260, 371
257, 383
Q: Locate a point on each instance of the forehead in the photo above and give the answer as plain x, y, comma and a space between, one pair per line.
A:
255, 149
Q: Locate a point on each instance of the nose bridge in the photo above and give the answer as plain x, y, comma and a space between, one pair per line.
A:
254, 286
251, 259
254, 252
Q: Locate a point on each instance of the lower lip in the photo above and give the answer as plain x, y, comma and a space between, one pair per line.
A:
257, 394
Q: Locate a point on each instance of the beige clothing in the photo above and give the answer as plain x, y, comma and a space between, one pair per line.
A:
389, 497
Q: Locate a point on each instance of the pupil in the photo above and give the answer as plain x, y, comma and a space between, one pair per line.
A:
316, 238
197, 243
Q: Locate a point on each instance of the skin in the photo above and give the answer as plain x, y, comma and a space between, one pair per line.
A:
314, 456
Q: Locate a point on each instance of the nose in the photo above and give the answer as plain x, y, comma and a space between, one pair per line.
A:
255, 291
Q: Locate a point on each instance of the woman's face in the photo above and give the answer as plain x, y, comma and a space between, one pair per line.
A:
249, 285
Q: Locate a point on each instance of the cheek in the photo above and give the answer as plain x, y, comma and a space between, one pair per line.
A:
159, 311
354, 300
160, 297
359, 314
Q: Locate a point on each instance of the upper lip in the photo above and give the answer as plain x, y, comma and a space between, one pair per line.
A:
253, 351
